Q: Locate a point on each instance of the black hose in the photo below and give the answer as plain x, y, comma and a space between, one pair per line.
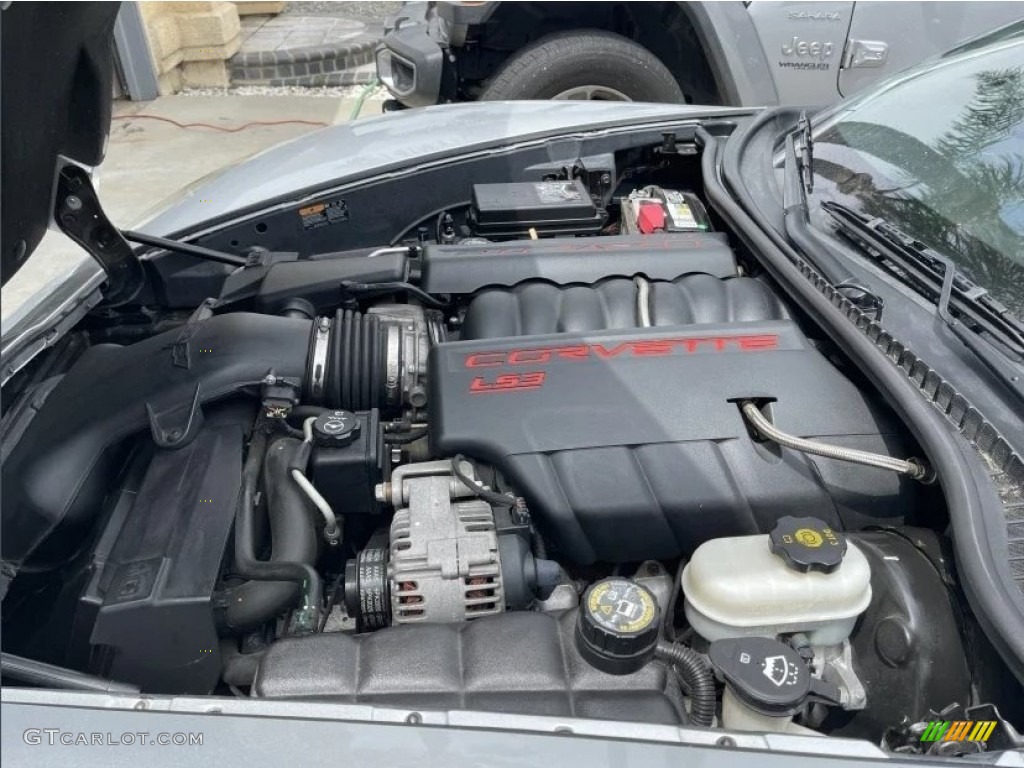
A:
491, 497
303, 412
365, 290
669, 625
409, 437
696, 676
276, 584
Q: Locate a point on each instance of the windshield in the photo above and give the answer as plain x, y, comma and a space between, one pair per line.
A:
939, 153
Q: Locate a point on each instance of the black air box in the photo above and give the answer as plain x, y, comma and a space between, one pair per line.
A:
147, 612
549, 207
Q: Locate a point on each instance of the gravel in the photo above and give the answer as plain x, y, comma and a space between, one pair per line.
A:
361, 11
337, 92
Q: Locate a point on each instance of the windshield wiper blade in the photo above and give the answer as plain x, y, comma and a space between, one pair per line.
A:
983, 324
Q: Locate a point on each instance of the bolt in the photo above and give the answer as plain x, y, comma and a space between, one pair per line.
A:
73, 202
726, 741
174, 435
325, 324
270, 379
414, 718
332, 535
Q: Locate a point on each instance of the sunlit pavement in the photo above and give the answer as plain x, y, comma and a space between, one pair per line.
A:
149, 161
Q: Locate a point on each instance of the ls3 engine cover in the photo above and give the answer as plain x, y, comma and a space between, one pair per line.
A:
631, 445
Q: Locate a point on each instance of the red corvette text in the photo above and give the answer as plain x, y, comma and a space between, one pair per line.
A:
625, 349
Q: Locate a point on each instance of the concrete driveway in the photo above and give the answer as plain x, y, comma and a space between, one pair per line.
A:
149, 160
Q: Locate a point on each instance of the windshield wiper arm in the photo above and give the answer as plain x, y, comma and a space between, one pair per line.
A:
805, 160
798, 180
984, 325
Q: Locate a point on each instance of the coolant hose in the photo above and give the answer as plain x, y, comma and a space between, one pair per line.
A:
915, 468
274, 584
697, 677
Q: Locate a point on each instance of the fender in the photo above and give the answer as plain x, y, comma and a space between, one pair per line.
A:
737, 60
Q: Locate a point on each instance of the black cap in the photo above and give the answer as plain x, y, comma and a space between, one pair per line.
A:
618, 626
768, 676
335, 429
808, 544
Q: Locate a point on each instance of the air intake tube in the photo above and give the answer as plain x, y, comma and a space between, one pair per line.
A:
378, 359
58, 473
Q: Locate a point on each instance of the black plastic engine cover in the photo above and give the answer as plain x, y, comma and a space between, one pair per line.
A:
518, 662
630, 445
538, 307
468, 267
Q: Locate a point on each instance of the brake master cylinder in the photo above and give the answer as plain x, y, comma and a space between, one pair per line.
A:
802, 577
803, 582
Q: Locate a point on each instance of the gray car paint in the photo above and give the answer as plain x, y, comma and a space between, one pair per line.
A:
288, 733
352, 150
917, 30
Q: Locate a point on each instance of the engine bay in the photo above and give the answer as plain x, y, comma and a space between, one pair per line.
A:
564, 449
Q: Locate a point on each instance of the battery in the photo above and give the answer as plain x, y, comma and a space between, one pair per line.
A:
547, 207
654, 209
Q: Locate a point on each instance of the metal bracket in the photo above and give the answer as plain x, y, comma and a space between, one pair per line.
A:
79, 215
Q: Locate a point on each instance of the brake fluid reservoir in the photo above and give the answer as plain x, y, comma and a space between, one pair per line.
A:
802, 577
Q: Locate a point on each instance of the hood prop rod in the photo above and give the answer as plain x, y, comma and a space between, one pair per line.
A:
187, 248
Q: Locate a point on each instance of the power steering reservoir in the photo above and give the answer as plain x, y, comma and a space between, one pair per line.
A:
802, 577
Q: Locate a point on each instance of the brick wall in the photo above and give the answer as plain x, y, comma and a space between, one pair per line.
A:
192, 41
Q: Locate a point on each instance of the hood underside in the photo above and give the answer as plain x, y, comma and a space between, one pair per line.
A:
57, 65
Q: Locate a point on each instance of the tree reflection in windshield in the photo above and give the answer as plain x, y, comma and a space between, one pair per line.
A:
961, 193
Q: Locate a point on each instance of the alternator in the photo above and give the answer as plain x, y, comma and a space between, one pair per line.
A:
444, 563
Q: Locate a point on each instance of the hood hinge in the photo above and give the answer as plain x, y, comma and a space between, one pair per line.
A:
79, 215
